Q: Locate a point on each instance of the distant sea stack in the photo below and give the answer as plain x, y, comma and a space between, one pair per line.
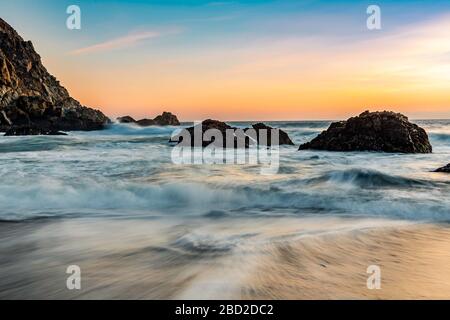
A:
373, 131
31, 99
165, 119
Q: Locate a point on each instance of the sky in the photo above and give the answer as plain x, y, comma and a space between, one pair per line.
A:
245, 60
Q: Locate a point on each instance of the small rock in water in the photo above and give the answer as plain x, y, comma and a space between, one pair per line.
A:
240, 138
445, 169
283, 138
126, 119
165, 119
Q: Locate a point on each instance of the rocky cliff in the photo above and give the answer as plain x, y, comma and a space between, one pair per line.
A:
32, 97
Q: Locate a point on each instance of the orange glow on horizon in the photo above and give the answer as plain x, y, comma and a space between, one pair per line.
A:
398, 72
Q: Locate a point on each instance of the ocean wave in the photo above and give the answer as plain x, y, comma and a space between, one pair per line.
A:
367, 178
198, 243
50, 197
34, 143
440, 137
77, 142
133, 129
54, 197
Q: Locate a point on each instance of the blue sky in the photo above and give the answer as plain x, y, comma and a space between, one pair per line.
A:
195, 47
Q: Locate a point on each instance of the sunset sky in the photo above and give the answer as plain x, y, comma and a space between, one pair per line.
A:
245, 60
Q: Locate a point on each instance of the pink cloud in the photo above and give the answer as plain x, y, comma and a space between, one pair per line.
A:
121, 42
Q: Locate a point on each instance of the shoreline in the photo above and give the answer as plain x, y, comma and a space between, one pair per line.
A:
161, 260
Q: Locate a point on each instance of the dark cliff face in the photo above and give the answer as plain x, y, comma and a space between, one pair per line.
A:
32, 97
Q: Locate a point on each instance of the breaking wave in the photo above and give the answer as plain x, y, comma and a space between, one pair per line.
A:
366, 178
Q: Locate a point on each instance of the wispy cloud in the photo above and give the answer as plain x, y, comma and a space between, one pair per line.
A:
122, 42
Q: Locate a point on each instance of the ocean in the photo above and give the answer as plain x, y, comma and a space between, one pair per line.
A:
140, 226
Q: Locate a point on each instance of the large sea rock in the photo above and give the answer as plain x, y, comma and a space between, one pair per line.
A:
373, 131
239, 138
30, 97
165, 119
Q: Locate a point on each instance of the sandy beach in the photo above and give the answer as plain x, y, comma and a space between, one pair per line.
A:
414, 262
270, 259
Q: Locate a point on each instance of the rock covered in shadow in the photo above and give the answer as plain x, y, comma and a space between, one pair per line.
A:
283, 137
222, 135
30, 96
445, 169
126, 119
212, 132
165, 119
373, 131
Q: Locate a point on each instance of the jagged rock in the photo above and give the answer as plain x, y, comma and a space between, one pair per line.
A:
32, 131
187, 138
445, 169
283, 137
30, 96
126, 119
373, 131
146, 122
166, 119
238, 138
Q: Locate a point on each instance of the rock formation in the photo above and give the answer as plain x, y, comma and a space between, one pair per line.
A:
229, 136
283, 137
32, 98
445, 169
373, 131
126, 119
165, 119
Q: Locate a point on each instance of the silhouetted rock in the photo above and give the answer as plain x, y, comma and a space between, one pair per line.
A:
233, 137
126, 119
373, 131
32, 97
217, 129
166, 119
283, 137
445, 169
32, 131
146, 122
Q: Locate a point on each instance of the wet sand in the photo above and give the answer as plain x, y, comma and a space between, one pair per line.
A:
323, 258
414, 263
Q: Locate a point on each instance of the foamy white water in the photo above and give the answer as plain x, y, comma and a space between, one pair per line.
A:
110, 197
